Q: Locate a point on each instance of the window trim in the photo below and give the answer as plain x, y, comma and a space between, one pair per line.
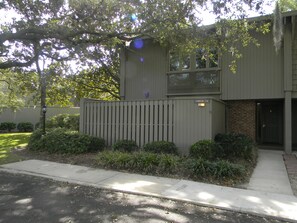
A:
192, 70
196, 92
193, 64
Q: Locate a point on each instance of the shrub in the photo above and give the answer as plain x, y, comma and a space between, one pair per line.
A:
161, 147
68, 121
203, 149
36, 141
25, 127
218, 170
7, 126
96, 144
234, 146
125, 145
64, 141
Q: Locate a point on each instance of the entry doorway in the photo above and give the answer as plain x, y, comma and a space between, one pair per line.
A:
270, 122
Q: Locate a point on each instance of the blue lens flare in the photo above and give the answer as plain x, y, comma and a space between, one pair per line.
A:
133, 18
138, 43
141, 59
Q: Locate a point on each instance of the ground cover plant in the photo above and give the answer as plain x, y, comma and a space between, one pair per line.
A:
8, 141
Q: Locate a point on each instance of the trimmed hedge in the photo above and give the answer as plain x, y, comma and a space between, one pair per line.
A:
68, 121
7, 126
25, 127
125, 146
161, 147
61, 140
203, 149
234, 146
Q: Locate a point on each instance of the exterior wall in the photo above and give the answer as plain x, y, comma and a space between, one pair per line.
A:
241, 117
178, 120
33, 114
259, 72
144, 73
192, 123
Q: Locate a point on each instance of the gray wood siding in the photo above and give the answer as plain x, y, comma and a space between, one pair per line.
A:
147, 76
192, 123
259, 73
218, 117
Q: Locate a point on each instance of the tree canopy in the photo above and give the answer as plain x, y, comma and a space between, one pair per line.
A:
79, 34
72, 30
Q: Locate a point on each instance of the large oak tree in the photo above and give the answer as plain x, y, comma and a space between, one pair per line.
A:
43, 33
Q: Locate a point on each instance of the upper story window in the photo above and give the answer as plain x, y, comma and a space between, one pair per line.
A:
197, 73
206, 59
178, 63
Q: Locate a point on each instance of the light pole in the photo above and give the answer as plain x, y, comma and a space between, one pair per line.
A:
44, 111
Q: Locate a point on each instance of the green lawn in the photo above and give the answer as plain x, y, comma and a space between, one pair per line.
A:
8, 141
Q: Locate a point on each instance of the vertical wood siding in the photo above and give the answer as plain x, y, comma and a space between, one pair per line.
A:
145, 73
142, 121
175, 120
294, 62
259, 73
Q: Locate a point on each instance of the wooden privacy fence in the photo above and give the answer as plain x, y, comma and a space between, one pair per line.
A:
142, 121
178, 121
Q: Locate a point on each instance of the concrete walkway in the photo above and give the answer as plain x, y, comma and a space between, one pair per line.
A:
248, 201
270, 174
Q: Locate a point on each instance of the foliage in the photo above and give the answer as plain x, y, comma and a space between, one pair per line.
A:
25, 127
203, 149
68, 121
7, 126
142, 162
48, 37
168, 164
219, 170
99, 82
161, 147
36, 141
8, 141
16, 88
79, 29
287, 5
61, 140
125, 145
234, 146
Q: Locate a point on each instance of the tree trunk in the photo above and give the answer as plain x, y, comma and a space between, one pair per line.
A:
42, 80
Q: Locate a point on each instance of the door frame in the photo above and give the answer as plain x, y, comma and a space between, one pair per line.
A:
260, 117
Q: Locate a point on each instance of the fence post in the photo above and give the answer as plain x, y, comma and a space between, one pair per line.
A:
82, 115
